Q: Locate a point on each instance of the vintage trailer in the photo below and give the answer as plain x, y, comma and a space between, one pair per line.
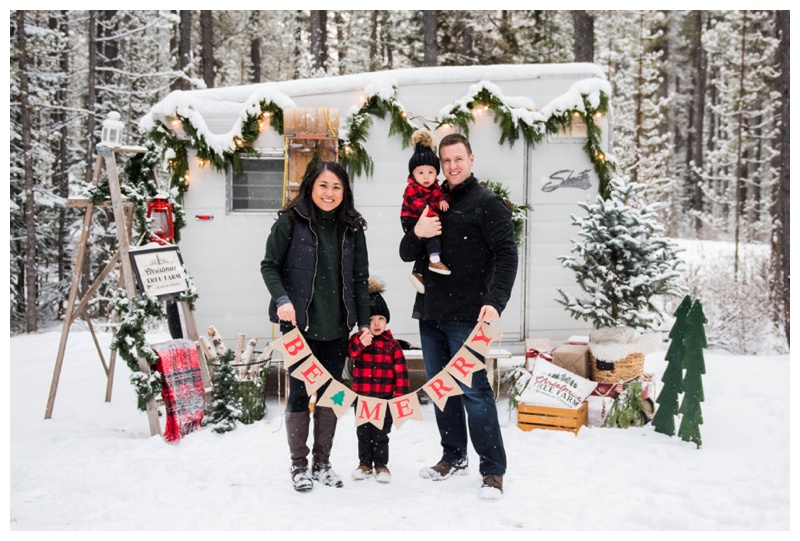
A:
229, 214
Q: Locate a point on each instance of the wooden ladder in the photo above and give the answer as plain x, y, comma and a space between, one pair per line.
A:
123, 213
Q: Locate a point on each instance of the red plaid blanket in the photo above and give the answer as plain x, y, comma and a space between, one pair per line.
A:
181, 387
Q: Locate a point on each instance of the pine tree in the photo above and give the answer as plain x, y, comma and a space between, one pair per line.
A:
622, 261
226, 408
664, 419
695, 366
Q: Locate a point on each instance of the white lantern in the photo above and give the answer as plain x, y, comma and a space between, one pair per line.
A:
112, 130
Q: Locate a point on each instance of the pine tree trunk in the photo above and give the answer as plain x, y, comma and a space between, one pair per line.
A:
430, 50
91, 103
184, 50
373, 41
464, 36
60, 151
583, 40
740, 167
341, 42
319, 35
782, 22
255, 60
207, 44
31, 284
298, 40
698, 119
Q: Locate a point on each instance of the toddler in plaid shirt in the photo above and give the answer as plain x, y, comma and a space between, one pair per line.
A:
379, 371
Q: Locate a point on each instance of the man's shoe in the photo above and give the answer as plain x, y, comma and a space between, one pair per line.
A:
301, 482
491, 488
443, 470
439, 268
324, 474
361, 473
418, 282
383, 475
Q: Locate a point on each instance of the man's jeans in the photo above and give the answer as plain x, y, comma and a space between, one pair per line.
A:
441, 340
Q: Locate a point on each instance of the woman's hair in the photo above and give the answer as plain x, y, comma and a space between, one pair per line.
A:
347, 210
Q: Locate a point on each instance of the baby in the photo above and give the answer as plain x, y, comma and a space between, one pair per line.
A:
424, 190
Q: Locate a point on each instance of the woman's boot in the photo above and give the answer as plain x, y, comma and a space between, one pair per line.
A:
324, 429
297, 434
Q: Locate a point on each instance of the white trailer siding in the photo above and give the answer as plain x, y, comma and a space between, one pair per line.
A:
223, 254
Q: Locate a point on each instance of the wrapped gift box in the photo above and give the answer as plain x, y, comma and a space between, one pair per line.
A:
573, 357
537, 348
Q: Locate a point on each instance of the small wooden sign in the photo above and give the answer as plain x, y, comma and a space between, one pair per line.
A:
159, 271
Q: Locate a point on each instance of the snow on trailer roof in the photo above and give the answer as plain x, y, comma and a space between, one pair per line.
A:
235, 102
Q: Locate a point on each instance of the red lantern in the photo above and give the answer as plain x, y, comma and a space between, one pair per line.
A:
162, 229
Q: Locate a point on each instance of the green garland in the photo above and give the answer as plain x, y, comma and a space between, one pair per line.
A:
129, 339
352, 152
518, 215
510, 127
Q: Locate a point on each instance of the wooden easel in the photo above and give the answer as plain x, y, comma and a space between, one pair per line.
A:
77, 308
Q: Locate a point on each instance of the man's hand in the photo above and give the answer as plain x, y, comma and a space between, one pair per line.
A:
427, 226
488, 313
365, 337
286, 313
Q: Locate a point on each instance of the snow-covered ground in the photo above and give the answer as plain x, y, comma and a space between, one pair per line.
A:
93, 466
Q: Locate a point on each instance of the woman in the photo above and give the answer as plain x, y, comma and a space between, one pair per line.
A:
316, 270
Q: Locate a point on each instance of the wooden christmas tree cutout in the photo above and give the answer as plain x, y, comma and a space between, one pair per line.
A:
664, 419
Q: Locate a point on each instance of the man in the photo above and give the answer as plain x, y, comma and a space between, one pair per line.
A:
478, 245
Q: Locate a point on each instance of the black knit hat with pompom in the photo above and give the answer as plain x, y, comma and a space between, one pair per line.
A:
424, 151
377, 306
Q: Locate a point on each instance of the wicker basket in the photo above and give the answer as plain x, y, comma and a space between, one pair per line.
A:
624, 369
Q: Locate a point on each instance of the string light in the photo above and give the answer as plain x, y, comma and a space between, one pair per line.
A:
347, 149
201, 162
176, 124
238, 141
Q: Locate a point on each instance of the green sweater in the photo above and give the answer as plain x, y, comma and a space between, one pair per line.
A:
326, 313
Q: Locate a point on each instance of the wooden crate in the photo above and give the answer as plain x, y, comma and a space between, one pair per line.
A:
549, 418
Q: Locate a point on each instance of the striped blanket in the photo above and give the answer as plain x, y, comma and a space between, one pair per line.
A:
181, 387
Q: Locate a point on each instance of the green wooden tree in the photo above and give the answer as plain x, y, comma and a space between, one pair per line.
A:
664, 419
694, 363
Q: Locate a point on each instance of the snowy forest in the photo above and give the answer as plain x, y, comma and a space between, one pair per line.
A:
700, 110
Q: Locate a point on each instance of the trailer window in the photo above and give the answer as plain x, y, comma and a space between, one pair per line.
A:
576, 135
259, 185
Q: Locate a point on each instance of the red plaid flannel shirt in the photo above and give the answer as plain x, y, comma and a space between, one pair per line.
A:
379, 370
417, 196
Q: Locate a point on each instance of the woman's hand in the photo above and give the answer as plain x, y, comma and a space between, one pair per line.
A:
427, 226
286, 313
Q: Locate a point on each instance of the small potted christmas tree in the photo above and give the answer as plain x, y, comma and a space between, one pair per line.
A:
622, 263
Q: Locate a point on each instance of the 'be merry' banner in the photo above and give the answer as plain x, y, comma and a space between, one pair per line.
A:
339, 398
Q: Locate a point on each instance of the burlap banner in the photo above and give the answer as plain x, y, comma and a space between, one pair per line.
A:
373, 410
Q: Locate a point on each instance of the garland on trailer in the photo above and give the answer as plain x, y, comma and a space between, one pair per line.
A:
356, 126
516, 117
512, 121
168, 135
518, 215
130, 342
